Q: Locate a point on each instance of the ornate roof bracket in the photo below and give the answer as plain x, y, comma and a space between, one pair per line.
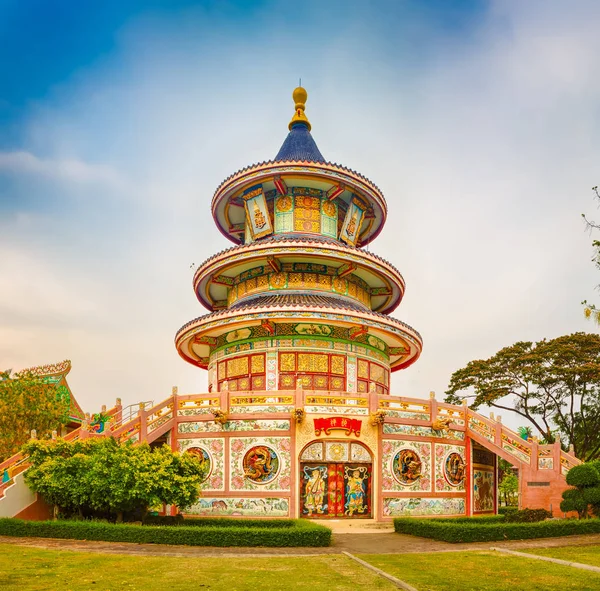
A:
357, 331
346, 269
335, 191
280, 185
274, 263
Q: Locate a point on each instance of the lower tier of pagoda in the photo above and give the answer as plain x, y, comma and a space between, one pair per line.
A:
282, 342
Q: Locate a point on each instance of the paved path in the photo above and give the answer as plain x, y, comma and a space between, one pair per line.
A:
376, 543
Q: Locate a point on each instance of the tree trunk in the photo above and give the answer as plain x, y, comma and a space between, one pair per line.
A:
119, 516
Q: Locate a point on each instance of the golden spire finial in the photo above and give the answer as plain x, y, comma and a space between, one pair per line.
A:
299, 95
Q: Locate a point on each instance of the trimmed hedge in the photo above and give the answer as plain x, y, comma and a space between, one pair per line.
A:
507, 509
527, 516
300, 533
179, 521
473, 529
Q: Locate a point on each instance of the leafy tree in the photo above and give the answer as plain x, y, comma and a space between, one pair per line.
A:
585, 496
508, 488
553, 384
28, 402
101, 475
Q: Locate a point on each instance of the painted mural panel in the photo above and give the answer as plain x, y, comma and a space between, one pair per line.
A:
420, 431
335, 490
450, 468
483, 490
263, 507
213, 449
314, 494
394, 507
235, 426
260, 463
257, 212
352, 223
406, 466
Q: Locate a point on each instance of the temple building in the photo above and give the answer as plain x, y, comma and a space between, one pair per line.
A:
299, 348
300, 419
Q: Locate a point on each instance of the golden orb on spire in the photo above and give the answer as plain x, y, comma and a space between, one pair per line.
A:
299, 95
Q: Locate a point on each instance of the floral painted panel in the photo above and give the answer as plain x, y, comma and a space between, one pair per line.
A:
192, 412
215, 449
423, 506
257, 507
516, 452
402, 414
313, 452
450, 468
261, 408
483, 490
419, 431
391, 452
233, 426
270, 456
338, 410
359, 453
271, 370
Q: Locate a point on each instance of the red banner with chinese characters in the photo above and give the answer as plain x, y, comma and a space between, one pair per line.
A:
326, 425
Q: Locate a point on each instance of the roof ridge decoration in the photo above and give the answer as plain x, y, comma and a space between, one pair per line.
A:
299, 144
50, 369
299, 95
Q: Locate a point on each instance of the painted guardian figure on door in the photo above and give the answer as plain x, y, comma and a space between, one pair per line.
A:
315, 488
355, 479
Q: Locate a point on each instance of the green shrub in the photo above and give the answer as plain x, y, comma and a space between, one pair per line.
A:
573, 500
583, 475
453, 531
591, 494
527, 516
179, 520
301, 533
507, 509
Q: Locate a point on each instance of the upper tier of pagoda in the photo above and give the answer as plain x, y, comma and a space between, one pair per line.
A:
297, 277
299, 193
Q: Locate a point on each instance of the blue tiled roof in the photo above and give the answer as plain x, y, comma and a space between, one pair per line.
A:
299, 145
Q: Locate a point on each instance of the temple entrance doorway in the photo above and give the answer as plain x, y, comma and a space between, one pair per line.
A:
336, 480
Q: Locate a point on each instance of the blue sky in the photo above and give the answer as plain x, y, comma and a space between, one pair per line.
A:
478, 120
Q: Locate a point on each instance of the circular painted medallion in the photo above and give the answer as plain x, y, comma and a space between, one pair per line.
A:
454, 468
261, 464
406, 466
204, 458
284, 203
329, 209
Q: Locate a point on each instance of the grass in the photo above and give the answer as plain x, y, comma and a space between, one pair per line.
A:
32, 569
482, 571
583, 554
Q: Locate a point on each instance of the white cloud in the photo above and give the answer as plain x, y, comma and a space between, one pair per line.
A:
71, 170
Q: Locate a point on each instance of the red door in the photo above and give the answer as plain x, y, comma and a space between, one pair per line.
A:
337, 490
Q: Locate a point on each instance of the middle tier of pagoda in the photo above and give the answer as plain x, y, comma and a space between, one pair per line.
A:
298, 301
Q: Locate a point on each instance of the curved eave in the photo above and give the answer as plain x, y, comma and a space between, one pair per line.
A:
226, 320
225, 263
265, 171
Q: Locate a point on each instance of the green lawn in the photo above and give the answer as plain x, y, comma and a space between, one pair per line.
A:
32, 569
583, 554
482, 571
